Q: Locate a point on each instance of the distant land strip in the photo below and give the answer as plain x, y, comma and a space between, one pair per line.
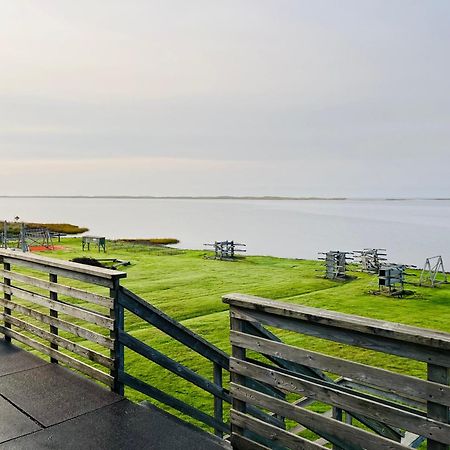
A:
218, 197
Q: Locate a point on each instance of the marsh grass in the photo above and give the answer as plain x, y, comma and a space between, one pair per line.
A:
66, 228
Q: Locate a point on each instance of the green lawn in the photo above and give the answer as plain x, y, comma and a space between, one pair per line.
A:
188, 287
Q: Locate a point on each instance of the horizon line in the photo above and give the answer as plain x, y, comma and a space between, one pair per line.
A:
219, 197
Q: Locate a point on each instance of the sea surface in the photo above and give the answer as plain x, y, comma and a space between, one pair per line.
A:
410, 230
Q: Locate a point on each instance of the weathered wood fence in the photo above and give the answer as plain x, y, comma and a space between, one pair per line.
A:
75, 314
50, 306
401, 410
133, 304
219, 362
53, 305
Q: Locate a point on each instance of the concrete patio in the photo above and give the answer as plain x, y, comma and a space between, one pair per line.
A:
45, 406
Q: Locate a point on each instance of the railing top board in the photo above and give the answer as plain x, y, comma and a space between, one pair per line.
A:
61, 264
391, 330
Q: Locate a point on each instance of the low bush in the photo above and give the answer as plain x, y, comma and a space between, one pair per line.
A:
65, 228
152, 241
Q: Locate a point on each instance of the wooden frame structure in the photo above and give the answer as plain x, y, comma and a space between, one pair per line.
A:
400, 410
433, 273
370, 259
98, 241
391, 279
335, 263
226, 250
26, 238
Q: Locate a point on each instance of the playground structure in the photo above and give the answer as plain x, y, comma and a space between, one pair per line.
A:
226, 250
433, 273
335, 264
26, 238
98, 241
370, 259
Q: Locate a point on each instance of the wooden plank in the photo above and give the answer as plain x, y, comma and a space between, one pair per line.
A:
173, 402
59, 288
46, 262
54, 330
177, 331
118, 352
74, 311
337, 415
344, 389
242, 443
60, 341
61, 324
275, 434
380, 428
86, 278
435, 409
323, 426
218, 402
7, 282
429, 338
186, 373
352, 403
171, 327
415, 403
173, 366
72, 362
257, 329
348, 337
390, 381
239, 353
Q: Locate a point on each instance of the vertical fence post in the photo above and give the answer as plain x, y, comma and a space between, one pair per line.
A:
54, 330
23, 241
117, 354
337, 415
7, 296
5, 234
238, 353
438, 374
348, 418
218, 402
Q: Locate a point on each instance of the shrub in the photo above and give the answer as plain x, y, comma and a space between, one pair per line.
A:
66, 228
151, 241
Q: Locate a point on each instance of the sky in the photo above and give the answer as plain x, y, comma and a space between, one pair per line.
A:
225, 97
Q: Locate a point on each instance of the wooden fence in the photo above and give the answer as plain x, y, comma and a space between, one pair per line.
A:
75, 314
382, 409
219, 362
51, 305
57, 308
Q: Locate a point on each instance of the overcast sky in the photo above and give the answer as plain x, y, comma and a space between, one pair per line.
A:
238, 97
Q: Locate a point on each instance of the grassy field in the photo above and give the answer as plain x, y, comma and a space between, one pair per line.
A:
188, 287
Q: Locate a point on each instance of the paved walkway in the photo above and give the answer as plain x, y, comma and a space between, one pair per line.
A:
45, 406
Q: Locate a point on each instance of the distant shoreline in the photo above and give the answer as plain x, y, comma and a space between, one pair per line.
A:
222, 197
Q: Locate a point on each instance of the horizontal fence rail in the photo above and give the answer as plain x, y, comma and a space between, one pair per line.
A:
382, 409
49, 305
219, 361
134, 304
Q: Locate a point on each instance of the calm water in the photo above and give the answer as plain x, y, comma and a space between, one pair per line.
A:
409, 230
